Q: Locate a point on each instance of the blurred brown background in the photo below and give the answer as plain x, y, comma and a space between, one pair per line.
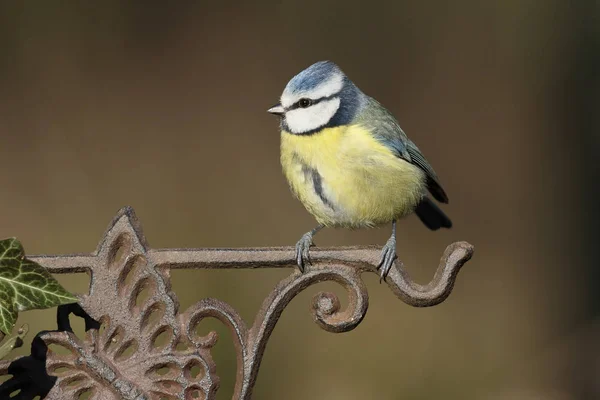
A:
162, 107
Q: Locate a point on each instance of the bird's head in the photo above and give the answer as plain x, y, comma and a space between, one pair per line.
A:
320, 96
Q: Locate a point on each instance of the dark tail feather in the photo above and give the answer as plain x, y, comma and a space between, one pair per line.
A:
431, 215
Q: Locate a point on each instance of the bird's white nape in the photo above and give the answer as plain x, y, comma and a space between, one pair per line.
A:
301, 120
329, 87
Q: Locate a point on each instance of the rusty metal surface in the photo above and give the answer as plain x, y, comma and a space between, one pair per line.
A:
124, 358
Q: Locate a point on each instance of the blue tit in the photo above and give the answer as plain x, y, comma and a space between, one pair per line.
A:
347, 160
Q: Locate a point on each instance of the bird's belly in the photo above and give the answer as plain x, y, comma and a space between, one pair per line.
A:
355, 184
370, 195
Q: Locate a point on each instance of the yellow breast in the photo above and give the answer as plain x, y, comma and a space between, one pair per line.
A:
345, 177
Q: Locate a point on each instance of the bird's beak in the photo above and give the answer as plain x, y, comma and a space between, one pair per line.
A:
276, 110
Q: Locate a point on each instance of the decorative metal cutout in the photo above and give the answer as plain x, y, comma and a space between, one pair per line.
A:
146, 349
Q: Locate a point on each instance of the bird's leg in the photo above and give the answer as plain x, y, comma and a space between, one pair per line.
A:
388, 254
303, 247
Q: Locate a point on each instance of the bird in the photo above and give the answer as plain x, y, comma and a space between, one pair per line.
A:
349, 163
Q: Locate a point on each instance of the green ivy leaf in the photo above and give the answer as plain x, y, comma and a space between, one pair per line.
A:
25, 285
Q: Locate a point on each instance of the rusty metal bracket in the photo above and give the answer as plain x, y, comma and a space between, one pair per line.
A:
148, 349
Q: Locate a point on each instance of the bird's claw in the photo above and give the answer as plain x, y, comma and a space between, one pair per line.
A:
388, 256
303, 250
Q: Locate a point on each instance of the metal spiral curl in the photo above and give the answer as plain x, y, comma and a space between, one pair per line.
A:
326, 305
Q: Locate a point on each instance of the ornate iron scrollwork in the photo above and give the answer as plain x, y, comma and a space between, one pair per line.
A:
146, 349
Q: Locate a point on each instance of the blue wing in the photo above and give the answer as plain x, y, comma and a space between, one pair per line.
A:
386, 129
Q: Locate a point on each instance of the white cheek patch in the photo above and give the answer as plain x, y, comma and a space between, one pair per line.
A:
303, 120
328, 88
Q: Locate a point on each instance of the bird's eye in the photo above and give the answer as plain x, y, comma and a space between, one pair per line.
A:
303, 103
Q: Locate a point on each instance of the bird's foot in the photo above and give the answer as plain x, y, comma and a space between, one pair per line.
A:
388, 256
302, 250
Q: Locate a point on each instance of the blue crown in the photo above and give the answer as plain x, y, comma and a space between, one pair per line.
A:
312, 76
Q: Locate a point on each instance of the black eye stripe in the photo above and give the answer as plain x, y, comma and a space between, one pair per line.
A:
313, 102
